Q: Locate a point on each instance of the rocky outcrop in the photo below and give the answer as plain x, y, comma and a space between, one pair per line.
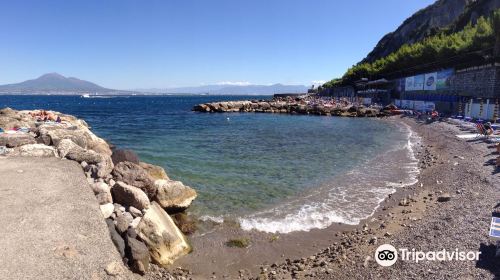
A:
126, 205
52, 134
156, 172
165, 241
124, 155
103, 163
276, 106
36, 150
136, 176
16, 140
11, 119
174, 195
130, 195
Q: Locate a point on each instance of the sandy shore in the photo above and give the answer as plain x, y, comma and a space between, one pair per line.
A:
463, 169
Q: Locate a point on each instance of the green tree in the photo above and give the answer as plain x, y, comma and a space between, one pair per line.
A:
436, 51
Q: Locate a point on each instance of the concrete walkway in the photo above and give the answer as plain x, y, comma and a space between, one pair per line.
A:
50, 223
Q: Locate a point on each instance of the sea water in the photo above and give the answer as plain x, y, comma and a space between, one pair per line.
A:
270, 172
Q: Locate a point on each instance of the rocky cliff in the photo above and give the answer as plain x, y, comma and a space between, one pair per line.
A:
454, 14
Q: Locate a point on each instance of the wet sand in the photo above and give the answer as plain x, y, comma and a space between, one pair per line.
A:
448, 165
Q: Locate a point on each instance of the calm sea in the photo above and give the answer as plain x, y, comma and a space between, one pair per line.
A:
272, 172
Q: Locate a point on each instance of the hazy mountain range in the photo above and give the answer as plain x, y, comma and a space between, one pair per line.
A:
231, 89
54, 83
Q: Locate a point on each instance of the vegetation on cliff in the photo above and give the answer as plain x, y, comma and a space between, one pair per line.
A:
475, 42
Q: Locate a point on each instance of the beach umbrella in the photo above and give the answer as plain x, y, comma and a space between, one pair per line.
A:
495, 111
481, 107
460, 107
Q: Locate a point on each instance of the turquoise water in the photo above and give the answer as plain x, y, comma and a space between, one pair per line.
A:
272, 172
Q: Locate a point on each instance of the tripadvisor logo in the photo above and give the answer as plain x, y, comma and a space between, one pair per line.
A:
387, 255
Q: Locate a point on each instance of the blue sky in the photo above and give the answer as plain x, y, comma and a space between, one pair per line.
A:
127, 44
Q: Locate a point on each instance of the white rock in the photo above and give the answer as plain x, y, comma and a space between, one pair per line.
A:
135, 222
37, 150
100, 187
107, 210
165, 241
174, 194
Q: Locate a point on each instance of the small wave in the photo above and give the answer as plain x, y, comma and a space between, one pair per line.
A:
347, 200
313, 216
217, 219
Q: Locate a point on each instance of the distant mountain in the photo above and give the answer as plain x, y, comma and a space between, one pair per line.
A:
232, 89
454, 14
53, 82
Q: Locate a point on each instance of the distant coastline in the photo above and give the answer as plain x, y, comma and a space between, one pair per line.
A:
56, 84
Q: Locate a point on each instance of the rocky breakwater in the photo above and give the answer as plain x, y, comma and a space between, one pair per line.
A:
136, 198
277, 106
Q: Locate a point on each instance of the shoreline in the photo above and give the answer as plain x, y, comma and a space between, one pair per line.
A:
211, 256
341, 250
420, 211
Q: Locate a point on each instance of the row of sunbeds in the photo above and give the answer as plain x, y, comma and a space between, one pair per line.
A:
479, 132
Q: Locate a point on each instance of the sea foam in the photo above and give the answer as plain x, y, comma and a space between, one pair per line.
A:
347, 199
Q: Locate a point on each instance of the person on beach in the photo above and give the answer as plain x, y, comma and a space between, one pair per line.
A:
434, 114
43, 115
488, 128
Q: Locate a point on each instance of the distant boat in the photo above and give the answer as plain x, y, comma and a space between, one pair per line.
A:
85, 95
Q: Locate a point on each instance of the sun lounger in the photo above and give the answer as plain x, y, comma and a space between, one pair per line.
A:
481, 133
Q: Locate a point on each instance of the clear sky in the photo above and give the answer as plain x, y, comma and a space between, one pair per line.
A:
126, 44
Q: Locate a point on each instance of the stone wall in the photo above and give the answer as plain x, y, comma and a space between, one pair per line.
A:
483, 81
346, 91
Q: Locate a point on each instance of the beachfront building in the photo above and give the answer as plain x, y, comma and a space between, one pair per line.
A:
469, 91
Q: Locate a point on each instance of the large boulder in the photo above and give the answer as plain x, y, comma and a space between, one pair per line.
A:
68, 149
116, 238
52, 134
130, 196
12, 123
174, 195
156, 172
136, 176
56, 135
138, 255
36, 150
16, 139
7, 111
124, 155
165, 241
10, 119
